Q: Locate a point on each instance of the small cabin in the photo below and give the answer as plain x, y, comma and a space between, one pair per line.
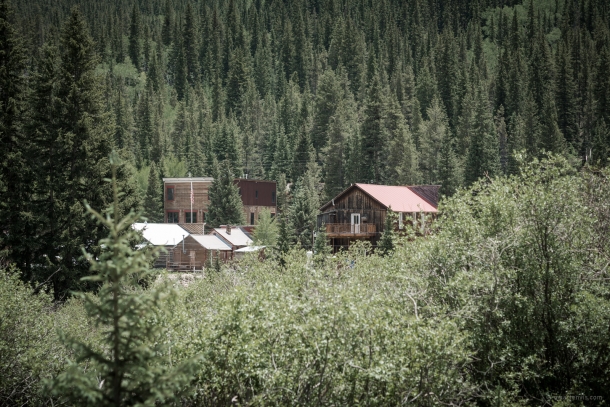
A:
197, 252
234, 236
359, 212
165, 235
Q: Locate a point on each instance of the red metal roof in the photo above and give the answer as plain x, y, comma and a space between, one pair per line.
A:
399, 198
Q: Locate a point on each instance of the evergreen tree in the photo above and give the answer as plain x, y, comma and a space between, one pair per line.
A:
153, 205
388, 237
373, 133
281, 193
14, 171
567, 104
191, 45
284, 240
135, 33
484, 152
225, 204
321, 247
73, 135
432, 134
132, 365
304, 206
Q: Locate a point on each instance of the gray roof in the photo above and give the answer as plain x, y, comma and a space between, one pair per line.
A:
211, 242
236, 238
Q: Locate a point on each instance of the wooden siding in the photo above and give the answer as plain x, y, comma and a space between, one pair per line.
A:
256, 192
182, 199
356, 201
256, 210
194, 256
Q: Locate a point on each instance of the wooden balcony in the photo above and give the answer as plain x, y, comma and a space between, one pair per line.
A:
346, 230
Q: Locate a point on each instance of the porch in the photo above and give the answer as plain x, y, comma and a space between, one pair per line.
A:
353, 231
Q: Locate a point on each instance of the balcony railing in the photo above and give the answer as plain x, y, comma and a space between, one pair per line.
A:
346, 229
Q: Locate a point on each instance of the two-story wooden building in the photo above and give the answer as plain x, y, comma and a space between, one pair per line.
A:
186, 200
257, 195
359, 212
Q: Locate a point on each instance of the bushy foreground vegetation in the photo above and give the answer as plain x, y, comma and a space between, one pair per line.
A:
507, 303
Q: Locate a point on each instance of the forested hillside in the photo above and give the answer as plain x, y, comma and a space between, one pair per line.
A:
392, 92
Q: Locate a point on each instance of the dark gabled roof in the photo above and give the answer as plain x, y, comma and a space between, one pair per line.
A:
399, 198
429, 192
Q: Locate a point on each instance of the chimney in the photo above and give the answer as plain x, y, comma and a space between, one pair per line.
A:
228, 229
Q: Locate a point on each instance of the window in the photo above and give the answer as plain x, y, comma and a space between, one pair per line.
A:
239, 191
191, 217
273, 197
272, 215
170, 194
252, 218
173, 217
256, 194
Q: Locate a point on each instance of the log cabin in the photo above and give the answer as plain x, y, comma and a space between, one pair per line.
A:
359, 212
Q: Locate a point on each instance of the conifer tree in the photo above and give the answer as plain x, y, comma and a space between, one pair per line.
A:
484, 152
132, 366
321, 246
326, 103
373, 133
74, 136
225, 206
14, 171
284, 240
153, 205
168, 22
340, 126
567, 105
281, 193
388, 237
191, 45
304, 206
432, 134
135, 33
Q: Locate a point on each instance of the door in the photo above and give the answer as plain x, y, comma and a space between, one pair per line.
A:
355, 223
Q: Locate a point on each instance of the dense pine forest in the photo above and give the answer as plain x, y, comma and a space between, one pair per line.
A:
504, 104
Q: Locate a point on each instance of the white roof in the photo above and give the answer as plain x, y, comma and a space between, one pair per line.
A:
181, 180
211, 242
236, 238
249, 249
161, 234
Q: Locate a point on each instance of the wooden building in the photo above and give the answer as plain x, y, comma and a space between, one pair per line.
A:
189, 210
163, 235
359, 212
234, 236
255, 196
186, 201
197, 252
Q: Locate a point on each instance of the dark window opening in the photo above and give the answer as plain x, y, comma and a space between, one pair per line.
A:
252, 218
273, 197
172, 217
256, 194
272, 215
170, 194
191, 217
239, 191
